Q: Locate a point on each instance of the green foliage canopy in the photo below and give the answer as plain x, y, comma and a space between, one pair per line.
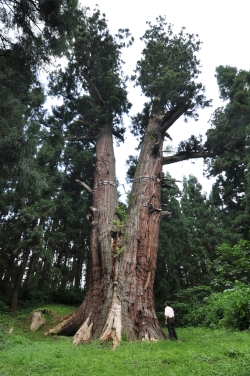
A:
167, 74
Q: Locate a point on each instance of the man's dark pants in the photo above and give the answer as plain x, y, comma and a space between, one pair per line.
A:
171, 329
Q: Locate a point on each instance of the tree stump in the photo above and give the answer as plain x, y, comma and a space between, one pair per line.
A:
37, 320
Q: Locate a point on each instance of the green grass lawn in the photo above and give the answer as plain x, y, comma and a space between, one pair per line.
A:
198, 352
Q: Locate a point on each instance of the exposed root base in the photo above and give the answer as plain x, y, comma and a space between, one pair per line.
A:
146, 338
113, 328
151, 332
84, 334
54, 331
58, 328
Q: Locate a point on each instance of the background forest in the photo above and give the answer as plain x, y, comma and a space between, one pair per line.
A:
204, 244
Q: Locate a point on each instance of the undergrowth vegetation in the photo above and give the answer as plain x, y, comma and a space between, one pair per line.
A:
199, 306
199, 351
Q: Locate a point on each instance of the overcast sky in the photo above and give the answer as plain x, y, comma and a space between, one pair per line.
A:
223, 27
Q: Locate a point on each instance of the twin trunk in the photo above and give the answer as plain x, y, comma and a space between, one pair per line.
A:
123, 253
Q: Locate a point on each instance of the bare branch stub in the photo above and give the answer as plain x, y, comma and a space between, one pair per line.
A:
152, 208
164, 213
118, 135
165, 185
168, 136
89, 139
85, 186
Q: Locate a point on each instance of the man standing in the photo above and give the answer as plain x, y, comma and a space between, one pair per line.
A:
169, 319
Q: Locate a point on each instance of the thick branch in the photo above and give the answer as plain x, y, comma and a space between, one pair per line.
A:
118, 135
172, 180
171, 116
85, 186
165, 185
91, 83
182, 156
164, 213
90, 138
168, 136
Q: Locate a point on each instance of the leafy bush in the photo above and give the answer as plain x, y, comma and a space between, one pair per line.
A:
190, 306
230, 308
193, 296
181, 311
227, 309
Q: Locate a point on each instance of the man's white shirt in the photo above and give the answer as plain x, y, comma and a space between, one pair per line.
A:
169, 312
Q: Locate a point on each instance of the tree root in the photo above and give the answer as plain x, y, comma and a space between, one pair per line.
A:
113, 328
57, 329
147, 338
84, 334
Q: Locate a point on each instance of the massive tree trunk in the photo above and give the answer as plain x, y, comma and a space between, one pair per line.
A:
88, 321
142, 231
123, 253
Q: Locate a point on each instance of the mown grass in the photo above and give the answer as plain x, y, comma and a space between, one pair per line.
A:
199, 352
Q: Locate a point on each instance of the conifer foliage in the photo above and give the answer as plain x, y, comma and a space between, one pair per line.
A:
39, 239
231, 169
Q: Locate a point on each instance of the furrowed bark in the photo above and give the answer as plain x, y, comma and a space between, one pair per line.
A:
88, 321
137, 268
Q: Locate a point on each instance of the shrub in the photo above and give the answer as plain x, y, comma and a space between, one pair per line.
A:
230, 308
190, 309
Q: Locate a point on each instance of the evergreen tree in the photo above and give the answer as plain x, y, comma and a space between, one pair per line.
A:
94, 95
32, 33
49, 230
168, 278
231, 124
201, 228
187, 242
231, 266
